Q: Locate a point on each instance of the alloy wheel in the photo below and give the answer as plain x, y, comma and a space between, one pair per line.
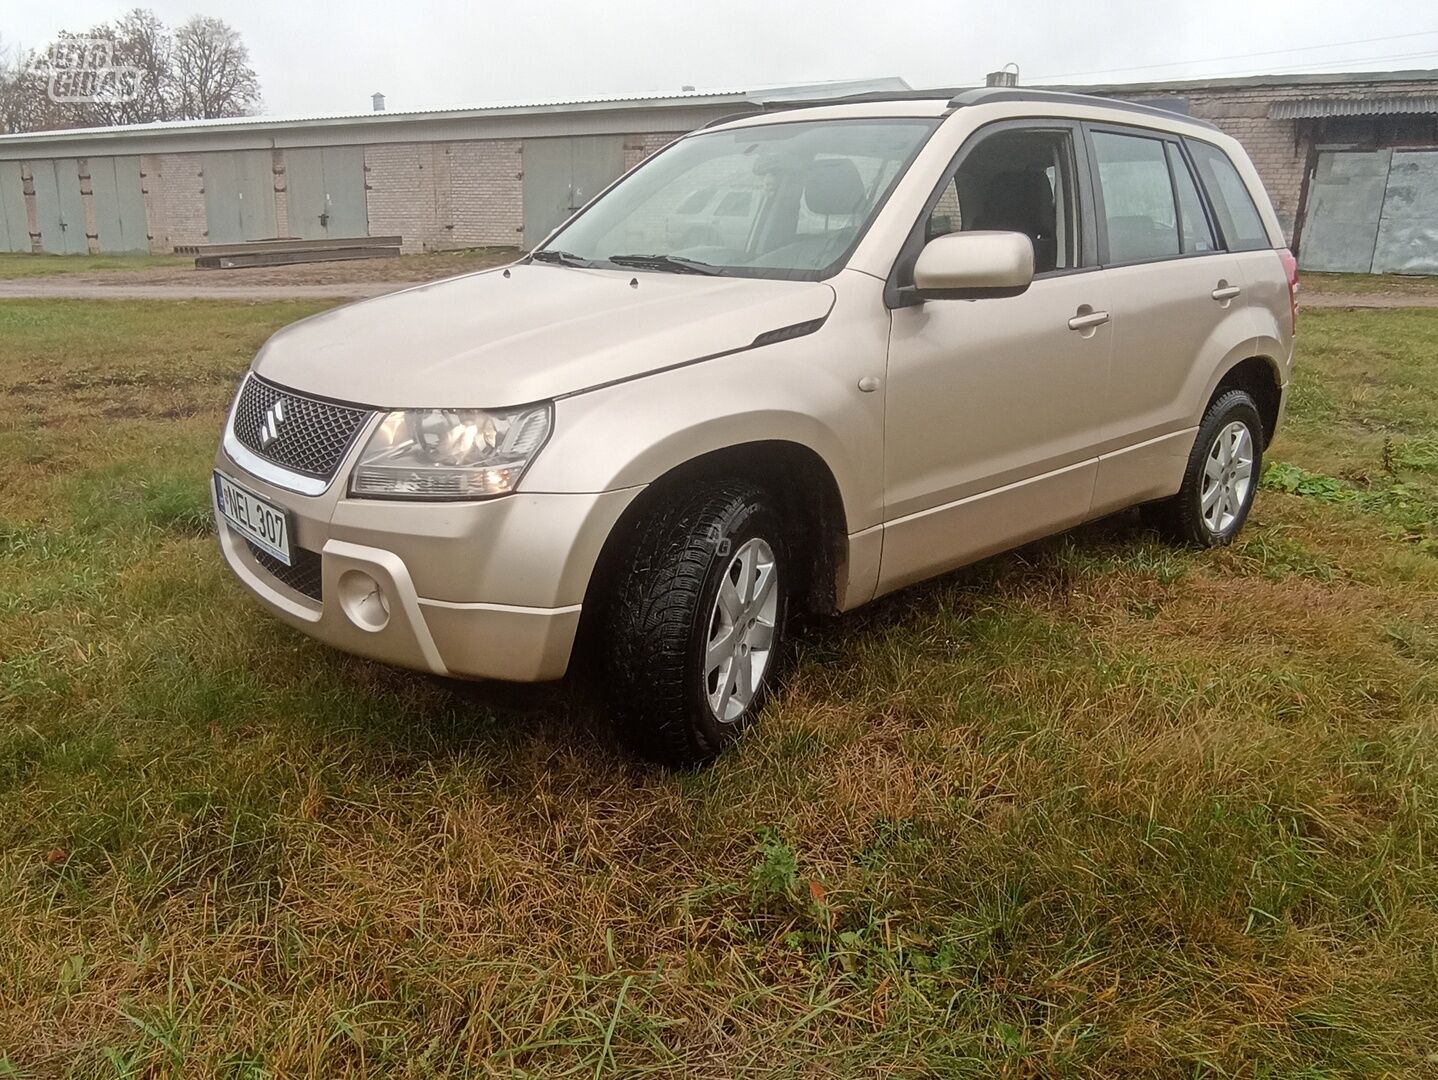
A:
1227, 477
741, 630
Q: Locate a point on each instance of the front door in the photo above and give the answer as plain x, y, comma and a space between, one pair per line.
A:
994, 406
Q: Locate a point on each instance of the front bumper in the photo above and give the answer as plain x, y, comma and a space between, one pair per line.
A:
485, 590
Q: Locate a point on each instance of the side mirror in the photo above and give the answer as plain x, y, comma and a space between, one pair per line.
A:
972, 265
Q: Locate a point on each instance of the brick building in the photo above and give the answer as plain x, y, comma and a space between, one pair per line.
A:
1350, 160
445, 178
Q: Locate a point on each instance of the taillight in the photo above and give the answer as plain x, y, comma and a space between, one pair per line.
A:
1290, 269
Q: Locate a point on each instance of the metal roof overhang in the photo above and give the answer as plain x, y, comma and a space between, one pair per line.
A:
1362, 105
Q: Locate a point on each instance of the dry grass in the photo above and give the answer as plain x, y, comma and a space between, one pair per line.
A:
1096, 808
19, 265
1425, 285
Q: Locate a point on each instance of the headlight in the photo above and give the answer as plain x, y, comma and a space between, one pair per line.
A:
450, 453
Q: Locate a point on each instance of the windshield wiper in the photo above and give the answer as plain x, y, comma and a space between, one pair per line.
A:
675, 264
563, 258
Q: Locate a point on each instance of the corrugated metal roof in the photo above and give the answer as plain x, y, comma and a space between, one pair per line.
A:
758, 96
1354, 105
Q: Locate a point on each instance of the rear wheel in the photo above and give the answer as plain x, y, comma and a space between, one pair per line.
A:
695, 626
1221, 477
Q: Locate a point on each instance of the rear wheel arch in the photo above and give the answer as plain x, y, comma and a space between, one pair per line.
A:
1259, 377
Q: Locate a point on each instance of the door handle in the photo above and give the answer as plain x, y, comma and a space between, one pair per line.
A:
1088, 321
1225, 292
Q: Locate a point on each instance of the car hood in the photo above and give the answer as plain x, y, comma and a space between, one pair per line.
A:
530, 332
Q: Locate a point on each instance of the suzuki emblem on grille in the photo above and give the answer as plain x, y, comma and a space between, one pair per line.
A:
274, 417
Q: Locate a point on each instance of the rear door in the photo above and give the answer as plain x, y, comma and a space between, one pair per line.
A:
1178, 309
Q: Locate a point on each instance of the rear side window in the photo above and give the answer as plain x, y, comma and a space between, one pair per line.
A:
1193, 222
1237, 215
1138, 202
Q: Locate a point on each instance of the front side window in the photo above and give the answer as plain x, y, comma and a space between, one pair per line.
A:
1016, 181
1238, 217
795, 199
1138, 204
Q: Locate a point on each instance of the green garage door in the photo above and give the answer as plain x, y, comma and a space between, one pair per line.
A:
14, 223
119, 205
1408, 230
58, 207
1372, 211
239, 196
562, 174
326, 193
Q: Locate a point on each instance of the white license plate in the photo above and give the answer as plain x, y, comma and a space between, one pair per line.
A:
265, 525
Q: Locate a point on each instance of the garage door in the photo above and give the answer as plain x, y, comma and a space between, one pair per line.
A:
119, 205
561, 175
1372, 211
1408, 229
58, 207
239, 196
14, 224
326, 192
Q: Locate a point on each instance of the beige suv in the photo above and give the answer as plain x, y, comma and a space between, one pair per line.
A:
939, 329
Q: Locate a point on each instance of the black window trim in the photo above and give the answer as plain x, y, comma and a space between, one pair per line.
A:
1178, 148
898, 286
1105, 257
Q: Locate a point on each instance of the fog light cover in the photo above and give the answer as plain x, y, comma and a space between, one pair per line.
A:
363, 600
450, 453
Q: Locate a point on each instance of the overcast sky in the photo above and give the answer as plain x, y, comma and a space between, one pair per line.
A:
320, 56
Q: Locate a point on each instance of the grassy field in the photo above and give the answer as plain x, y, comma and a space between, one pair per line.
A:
14, 265
1099, 807
417, 267
1314, 282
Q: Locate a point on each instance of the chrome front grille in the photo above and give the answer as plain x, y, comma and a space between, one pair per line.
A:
295, 432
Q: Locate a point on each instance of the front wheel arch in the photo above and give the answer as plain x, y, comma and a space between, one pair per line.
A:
799, 480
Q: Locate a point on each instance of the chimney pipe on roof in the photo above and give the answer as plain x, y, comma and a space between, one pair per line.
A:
378, 101
1003, 77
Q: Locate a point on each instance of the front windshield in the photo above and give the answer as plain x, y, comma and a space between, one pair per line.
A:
784, 200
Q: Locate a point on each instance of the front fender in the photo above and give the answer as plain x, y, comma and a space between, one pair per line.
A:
802, 391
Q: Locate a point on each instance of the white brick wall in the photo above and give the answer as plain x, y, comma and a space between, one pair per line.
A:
486, 204
403, 192
174, 200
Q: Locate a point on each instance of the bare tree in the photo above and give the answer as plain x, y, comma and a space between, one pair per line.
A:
212, 70
25, 104
143, 47
147, 73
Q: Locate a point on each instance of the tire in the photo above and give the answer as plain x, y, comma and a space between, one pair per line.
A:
668, 696
1213, 503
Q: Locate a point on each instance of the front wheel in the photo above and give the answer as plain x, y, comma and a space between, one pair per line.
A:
695, 626
1221, 477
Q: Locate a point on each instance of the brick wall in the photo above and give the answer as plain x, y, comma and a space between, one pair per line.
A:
639, 147
1279, 148
403, 192
282, 197
486, 204
174, 187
